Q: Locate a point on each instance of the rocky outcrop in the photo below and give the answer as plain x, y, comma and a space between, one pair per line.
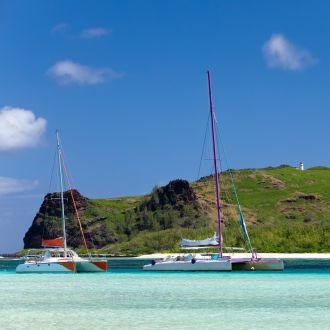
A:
176, 194
47, 222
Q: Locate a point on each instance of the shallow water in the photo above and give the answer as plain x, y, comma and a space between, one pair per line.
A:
133, 299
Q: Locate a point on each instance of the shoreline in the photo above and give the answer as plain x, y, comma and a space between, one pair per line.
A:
284, 256
288, 256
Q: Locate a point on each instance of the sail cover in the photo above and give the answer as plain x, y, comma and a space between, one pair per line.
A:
55, 242
211, 241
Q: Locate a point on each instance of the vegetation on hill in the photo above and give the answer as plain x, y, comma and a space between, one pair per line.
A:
286, 210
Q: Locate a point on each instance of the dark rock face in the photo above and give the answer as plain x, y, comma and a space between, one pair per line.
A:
47, 222
176, 194
172, 205
178, 191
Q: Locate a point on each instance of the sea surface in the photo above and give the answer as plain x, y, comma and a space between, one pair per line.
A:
298, 298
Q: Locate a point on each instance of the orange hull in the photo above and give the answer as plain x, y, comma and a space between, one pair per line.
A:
101, 264
69, 265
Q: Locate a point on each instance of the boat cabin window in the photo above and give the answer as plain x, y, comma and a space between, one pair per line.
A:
47, 255
58, 254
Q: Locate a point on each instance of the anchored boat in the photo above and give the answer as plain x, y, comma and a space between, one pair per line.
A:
55, 256
190, 263
58, 260
193, 262
201, 262
216, 262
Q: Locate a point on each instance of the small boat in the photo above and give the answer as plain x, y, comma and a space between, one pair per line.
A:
189, 244
56, 257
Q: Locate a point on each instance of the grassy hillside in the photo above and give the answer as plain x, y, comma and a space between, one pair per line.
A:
286, 210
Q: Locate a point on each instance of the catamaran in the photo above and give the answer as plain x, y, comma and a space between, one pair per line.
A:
200, 262
215, 262
56, 256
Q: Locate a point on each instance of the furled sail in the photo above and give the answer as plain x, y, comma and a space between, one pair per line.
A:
55, 242
211, 241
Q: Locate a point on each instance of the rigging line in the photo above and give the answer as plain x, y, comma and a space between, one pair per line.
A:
73, 181
52, 172
222, 174
86, 223
74, 205
224, 190
68, 167
243, 225
90, 236
221, 168
203, 148
49, 188
70, 178
230, 202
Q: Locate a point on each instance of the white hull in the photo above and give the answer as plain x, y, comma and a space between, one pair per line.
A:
188, 266
43, 268
81, 266
257, 264
53, 262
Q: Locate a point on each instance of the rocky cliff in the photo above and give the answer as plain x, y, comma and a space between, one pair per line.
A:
47, 223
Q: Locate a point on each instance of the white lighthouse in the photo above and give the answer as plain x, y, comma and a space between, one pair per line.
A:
301, 166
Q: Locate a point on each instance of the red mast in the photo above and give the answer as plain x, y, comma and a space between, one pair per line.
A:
217, 189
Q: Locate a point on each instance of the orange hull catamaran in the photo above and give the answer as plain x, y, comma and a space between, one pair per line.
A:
56, 256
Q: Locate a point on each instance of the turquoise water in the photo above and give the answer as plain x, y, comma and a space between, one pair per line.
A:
132, 299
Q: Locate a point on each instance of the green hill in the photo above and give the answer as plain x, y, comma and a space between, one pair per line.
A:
286, 210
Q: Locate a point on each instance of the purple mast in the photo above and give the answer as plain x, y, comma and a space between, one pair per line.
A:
217, 190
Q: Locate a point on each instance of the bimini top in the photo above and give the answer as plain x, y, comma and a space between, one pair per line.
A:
208, 242
55, 242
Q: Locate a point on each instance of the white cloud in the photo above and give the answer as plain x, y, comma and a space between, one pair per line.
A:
11, 185
60, 28
19, 128
68, 72
281, 53
95, 32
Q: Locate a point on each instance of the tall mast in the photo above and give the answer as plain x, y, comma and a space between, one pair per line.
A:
217, 189
59, 155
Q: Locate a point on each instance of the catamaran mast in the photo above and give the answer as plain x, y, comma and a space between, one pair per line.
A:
61, 183
217, 189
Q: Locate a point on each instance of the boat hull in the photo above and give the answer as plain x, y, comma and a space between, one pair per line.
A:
81, 266
258, 264
92, 266
44, 267
188, 266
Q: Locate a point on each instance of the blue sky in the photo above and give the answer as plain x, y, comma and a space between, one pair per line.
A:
125, 82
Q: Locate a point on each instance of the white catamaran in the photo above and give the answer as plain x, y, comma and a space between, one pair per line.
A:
56, 256
215, 262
